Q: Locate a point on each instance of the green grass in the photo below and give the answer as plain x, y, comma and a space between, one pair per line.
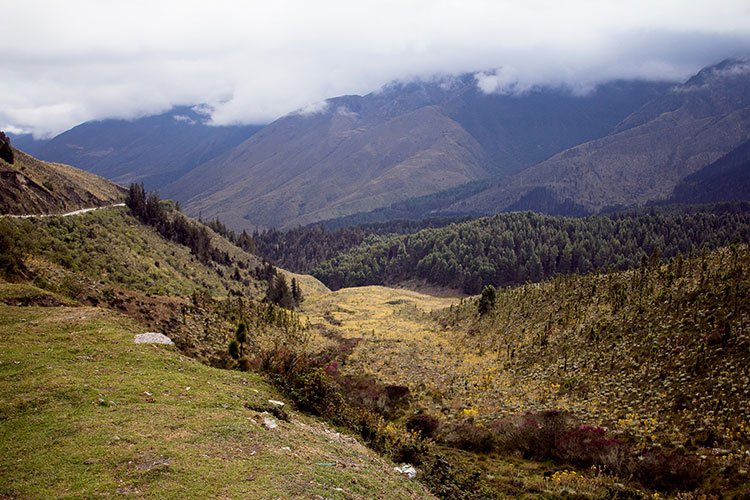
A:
86, 412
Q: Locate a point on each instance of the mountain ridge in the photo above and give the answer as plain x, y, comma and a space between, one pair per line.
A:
647, 155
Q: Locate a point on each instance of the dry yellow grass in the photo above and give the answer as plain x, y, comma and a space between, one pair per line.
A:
399, 343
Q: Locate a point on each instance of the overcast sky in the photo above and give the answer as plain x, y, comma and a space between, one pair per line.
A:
63, 63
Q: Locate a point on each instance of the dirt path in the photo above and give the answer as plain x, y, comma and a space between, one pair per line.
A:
68, 214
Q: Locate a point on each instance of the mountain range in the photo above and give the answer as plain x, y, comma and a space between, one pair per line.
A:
358, 153
673, 136
443, 146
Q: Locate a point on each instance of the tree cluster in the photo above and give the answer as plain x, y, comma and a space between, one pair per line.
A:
150, 210
242, 240
514, 248
302, 249
283, 295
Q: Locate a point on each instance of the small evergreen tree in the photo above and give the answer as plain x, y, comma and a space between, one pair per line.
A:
296, 292
234, 349
241, 336
487, 300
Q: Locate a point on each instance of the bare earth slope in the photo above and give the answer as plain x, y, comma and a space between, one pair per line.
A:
332, 165
31, 186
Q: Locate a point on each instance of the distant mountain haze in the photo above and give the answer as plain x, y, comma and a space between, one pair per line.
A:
154, 150
441, 147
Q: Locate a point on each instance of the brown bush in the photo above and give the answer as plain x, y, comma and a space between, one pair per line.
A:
423, 425
469, 436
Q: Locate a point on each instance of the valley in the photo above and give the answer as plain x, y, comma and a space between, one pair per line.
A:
444, 288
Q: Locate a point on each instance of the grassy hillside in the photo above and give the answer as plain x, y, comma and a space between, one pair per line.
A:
86, 412
110, 258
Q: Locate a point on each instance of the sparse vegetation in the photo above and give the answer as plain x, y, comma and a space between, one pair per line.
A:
619, 351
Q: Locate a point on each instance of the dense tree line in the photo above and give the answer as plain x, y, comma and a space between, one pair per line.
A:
302, 249
514, 248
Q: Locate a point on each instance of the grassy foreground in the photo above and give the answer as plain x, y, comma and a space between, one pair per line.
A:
86, 412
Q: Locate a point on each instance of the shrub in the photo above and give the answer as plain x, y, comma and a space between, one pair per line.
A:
534, 435
668, 470
469, 436
11, 251
586, 445
487, 300
423, 425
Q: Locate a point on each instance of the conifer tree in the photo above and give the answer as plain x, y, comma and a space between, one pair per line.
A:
487, 300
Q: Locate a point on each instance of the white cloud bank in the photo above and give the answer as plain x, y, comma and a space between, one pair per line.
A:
67, 62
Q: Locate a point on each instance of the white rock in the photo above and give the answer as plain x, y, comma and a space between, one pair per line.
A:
407, 470
152, 338
276, 403
270, 423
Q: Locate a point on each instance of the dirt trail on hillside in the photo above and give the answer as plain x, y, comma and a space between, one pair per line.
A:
68, 214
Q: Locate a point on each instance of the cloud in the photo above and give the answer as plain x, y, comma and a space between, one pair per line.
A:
504, 81
314, 108
740, 69
251, 62
184, 119
346, 112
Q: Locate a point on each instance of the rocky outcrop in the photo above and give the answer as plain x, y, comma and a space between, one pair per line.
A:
6, 152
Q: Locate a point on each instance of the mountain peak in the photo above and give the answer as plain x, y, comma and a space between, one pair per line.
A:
730, 68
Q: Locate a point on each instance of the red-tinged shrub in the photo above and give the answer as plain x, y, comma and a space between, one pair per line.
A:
586, 445
534, 435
